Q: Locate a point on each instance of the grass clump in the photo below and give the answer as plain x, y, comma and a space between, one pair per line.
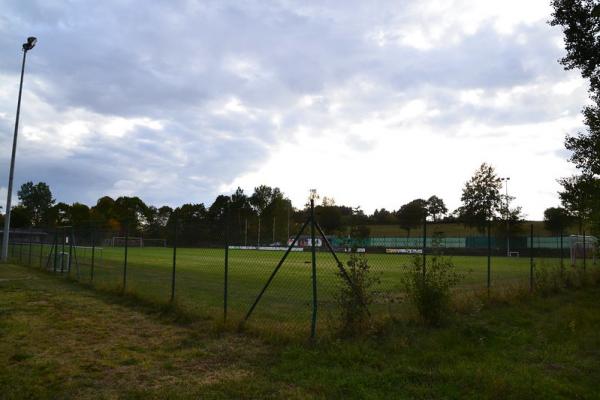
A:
355, 295
429, 287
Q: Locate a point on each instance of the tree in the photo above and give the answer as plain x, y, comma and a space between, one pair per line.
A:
580, 197
19, 217
383, 216
192, 227
556, 219
80, 214
36, 200
580, 20
157, 219
216, 216
130, 212
240, 210
359, 232
436, 207
329, 218
481, 198
261, 198
60, 214
412, 214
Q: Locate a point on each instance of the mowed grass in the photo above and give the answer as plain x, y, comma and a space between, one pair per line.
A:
60, 340
287, 303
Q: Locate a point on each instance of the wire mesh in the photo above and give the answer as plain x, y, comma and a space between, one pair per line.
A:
210, 284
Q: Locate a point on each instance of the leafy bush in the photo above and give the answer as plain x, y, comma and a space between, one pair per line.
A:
548, 280
355, 295
430, 290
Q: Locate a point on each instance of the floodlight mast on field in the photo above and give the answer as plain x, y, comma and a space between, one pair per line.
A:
31, 41
507, 217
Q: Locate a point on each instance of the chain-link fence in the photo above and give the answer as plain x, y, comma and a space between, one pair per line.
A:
293, 288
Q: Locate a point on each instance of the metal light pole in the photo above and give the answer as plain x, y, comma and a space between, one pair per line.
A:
31, 41
507, 217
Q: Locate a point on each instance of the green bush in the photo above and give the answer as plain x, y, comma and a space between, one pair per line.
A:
355, 295
430, 289
549, 279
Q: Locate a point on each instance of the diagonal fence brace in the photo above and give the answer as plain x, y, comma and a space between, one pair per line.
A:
276, 269
341, 267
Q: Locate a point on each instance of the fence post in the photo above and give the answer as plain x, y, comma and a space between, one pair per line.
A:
314, 268
20, 253
584, 251
562, 262
62, 255
489, 256
424, 245
55, 248
30, 248
41, 252
174, 261
93, 254
226, 270
531, 260
70, 251
125, 259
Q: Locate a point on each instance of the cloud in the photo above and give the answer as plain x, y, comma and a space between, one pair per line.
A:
178, 101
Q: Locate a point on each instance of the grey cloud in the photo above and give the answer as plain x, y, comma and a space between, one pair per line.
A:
168, 61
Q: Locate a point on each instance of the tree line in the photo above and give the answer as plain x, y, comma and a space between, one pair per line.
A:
580, 194
267, 216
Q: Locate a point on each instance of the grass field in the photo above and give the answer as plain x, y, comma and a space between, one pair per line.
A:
287, 304
61, 340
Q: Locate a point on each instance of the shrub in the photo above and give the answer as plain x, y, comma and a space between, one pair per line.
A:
548, 280
430, 290
355, 295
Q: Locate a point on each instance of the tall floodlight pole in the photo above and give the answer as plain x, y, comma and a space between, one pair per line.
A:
507, 217
31, 41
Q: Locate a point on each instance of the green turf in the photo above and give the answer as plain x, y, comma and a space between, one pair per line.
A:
63, 341
287, 304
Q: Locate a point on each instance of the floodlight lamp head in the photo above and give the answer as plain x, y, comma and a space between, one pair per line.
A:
31, 41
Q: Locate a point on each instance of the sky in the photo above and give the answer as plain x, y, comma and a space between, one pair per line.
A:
371, 103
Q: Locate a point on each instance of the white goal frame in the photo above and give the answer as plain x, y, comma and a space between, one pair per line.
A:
576, 247
132, 241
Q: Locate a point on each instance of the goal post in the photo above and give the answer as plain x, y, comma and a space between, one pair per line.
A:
150, 242
582, 246
120, 241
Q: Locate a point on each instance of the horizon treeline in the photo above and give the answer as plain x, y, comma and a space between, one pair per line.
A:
267, 216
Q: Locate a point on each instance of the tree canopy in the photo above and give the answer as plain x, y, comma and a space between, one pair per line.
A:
481, 198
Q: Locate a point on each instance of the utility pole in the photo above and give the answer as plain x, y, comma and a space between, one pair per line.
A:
507, 217
31, 41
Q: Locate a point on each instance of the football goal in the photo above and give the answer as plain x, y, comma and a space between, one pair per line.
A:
583, 247
120, 241
154, 242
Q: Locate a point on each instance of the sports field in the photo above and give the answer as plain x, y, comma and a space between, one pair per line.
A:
287, 303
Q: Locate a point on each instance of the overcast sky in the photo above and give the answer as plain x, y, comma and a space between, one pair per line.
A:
372, 103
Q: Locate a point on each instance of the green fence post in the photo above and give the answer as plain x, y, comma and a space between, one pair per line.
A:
226, 270
93, 254
20, 253
314, 268
562, 257
70, 238
41, 252
62, 255
125, 256
424, 246
489, 256
30, 248
531, 260
174, 261
584, 252
55, 245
